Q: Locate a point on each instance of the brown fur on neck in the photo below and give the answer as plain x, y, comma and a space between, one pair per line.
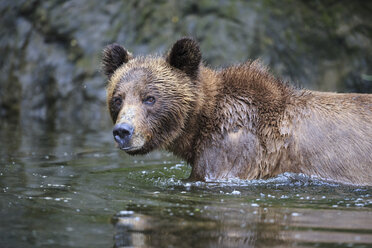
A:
249, 84
206, 91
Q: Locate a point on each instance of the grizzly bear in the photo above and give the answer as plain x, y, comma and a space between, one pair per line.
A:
237, 122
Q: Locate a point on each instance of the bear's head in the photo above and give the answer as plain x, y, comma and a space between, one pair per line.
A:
151, 98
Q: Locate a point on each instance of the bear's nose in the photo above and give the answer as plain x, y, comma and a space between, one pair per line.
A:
122, 133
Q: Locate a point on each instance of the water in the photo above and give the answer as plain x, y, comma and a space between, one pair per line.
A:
75, 189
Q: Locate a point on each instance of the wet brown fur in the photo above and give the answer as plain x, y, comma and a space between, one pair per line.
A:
241, 122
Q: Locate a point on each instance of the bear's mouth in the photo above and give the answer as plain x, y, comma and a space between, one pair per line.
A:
134, 150
129, 148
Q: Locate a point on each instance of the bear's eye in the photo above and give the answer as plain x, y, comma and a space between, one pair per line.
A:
150, 100
117, 102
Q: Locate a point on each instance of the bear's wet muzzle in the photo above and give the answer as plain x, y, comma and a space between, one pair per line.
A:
123, 134
128, 132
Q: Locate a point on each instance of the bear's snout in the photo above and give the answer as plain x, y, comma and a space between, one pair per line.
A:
122, 134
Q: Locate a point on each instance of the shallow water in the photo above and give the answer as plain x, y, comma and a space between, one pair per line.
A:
75, 189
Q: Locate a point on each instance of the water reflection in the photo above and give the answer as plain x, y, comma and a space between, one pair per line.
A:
130, 229
248, 227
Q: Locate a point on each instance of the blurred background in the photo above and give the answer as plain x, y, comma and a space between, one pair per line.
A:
50, 50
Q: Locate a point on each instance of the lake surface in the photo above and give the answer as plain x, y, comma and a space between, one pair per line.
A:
75, 189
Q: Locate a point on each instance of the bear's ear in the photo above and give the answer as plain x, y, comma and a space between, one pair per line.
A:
113, 57
186, 56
